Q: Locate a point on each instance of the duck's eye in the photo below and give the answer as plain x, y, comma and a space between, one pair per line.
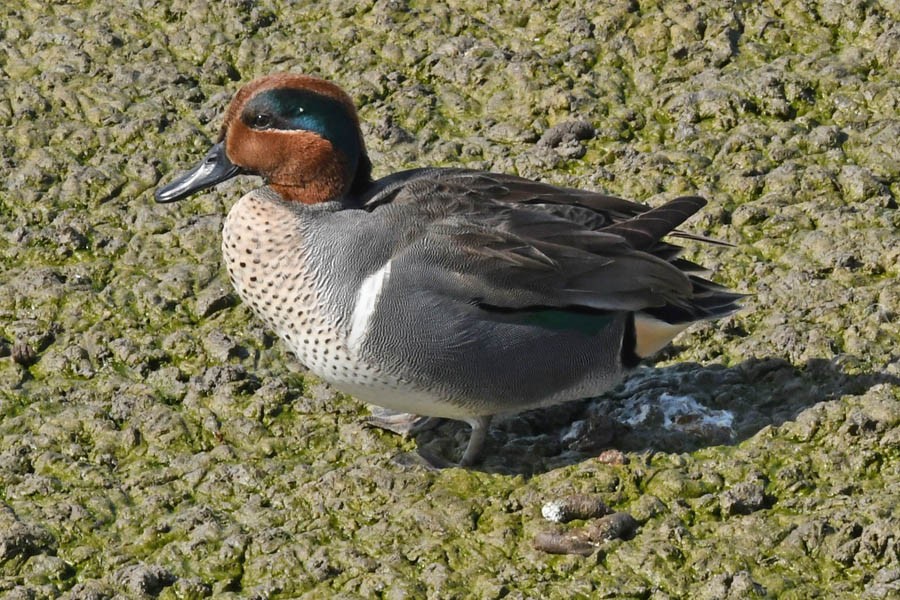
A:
261, 121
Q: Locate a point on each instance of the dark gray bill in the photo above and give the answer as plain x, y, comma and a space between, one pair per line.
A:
214, 168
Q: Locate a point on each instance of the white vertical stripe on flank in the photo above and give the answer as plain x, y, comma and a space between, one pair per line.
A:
366, 300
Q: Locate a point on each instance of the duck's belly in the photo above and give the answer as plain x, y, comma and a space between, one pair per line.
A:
401, 396
331, 361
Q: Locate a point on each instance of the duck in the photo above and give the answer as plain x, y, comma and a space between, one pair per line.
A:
447, 293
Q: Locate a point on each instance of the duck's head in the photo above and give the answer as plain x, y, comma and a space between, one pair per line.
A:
299, 133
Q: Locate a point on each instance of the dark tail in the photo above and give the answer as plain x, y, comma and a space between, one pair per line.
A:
708, 300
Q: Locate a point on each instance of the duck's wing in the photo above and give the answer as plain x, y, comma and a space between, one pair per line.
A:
591, 209
508, 243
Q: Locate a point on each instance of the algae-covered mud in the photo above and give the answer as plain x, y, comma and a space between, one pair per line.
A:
156, 441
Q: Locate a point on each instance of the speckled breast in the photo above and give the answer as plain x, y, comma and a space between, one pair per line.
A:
265, 252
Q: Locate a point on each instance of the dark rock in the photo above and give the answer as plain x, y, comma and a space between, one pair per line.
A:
22, 353
566, 133
19, 540
215, 298
743, 498
732, 586
144, 580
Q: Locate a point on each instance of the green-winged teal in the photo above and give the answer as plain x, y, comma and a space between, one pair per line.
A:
441, 292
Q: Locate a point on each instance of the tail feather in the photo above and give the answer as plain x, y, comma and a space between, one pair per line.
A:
651, 334
708, 300
655, 327
698, 308
645, 230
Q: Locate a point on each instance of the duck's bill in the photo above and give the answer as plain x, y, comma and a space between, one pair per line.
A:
214, 168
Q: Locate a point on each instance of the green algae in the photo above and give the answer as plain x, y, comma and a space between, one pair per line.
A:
162, 443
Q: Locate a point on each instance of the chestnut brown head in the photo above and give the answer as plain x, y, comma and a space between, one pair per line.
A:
299, 133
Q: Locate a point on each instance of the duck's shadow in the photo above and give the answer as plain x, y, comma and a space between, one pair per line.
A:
678, 408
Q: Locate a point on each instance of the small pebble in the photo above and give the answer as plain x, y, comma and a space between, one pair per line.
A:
576, 506
554, 542
612, 457
611, 527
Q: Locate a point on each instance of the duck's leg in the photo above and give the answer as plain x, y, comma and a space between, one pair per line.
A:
425, 424
476, 440
405, 424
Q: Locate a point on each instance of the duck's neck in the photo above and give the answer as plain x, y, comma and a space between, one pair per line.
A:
328, 182
311, 193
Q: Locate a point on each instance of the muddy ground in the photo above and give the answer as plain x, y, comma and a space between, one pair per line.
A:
156, 441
